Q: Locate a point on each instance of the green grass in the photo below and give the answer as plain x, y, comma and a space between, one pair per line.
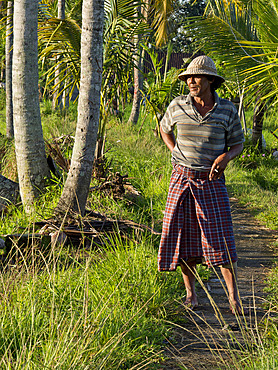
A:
100, 308
146, 161
253, 179
107, 308
58, 122
103, 311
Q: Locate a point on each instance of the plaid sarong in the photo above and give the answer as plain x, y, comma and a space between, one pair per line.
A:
197, 221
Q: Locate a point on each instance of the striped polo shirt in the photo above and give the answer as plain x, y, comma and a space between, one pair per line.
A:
200, 140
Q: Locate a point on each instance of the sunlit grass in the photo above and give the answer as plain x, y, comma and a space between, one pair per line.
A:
256, 188
108, 307
253, 344
102, 308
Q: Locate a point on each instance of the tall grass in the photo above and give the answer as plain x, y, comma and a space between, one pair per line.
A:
107, 307
99, 309
253, 176
247, 344
147, 162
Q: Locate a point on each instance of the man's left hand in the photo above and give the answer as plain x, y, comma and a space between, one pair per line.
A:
218, 166
221, 162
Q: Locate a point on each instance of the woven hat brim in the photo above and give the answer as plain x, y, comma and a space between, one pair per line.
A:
183, 76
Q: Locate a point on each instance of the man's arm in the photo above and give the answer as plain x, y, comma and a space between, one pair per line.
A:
169, 139
221, 162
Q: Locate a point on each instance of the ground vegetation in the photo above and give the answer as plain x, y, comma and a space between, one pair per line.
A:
78, 293
96, 301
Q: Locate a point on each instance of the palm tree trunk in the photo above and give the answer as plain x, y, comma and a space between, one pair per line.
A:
61, 9
76, 188
138, 87
137, 79
29, 144
258, 119
61, 15
9, 57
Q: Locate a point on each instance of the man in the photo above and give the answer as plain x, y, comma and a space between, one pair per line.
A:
197, 225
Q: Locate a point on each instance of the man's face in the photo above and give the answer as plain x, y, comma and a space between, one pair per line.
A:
199, 85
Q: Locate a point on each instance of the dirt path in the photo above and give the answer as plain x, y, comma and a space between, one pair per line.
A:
255, 258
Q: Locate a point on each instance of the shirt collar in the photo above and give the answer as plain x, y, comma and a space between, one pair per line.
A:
216, 99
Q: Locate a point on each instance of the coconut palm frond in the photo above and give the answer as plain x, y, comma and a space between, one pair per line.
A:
243, 34
267, 20
122, 17
160, 11
47, 9
123, 23
59, 42
58, 32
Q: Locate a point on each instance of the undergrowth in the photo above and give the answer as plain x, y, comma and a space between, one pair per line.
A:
253, 179
100, 309
108, 307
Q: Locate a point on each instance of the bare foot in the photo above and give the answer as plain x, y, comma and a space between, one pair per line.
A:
237, 309
191, 303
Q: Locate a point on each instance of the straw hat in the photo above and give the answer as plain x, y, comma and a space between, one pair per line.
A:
202, 65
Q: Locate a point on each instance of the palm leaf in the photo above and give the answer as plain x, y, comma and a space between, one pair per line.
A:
160, 11
243, 34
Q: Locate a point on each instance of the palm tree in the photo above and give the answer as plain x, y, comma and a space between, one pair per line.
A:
137, 77
243, 35
76, 188
122, 26
123, 23
29, 144
63, 38
9, 54
157, 13
59, 42
61, 16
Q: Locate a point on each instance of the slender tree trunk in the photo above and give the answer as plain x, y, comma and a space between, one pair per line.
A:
137, 78
61, 9
76, 188
9, 57
1, 9
29, 144
241, 111
138, 86
258, 119
61, 15
56, 81
65, 96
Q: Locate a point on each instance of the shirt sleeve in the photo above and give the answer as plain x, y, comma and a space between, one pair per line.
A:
235, 133
167, 123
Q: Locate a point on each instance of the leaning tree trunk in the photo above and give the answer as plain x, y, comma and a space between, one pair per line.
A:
258, 119
9, 56
77, 185
29, 144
